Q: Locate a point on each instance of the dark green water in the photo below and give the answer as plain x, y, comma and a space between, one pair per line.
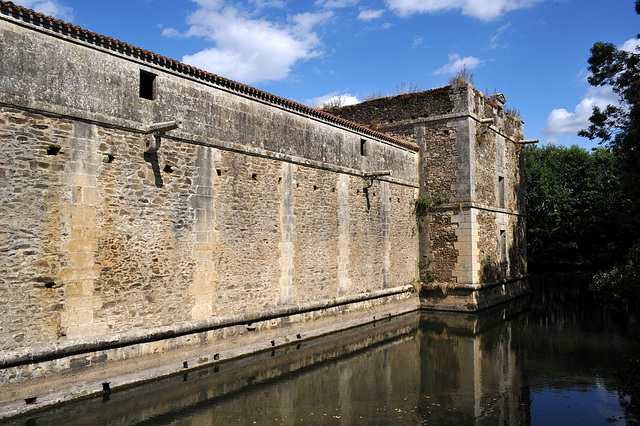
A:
551, 358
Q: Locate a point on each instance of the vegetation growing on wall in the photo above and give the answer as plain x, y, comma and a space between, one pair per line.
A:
462, 77
423, 203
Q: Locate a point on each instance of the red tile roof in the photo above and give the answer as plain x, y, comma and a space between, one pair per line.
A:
49, 23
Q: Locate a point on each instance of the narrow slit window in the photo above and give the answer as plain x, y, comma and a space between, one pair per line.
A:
363, 147
503, 245
501, 191
147, 85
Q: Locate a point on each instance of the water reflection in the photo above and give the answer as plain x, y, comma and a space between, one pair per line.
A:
547, 359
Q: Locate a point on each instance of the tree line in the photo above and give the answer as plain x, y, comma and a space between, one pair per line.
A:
583, 208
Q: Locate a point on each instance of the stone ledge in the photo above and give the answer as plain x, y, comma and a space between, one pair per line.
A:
472, 297
47, 383
187, 387
75, 347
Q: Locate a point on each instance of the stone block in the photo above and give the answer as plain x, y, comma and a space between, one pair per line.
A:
201, 312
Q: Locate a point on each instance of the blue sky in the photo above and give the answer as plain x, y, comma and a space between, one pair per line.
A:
533, 51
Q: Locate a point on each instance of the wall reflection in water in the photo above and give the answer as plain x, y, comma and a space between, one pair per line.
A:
502, 366
469, 372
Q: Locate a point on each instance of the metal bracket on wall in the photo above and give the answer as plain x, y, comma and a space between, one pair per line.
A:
156, 131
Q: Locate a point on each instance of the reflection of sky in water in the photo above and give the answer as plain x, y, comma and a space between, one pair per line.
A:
578, 406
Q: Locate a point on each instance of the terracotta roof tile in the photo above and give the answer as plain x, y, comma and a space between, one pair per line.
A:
38, 19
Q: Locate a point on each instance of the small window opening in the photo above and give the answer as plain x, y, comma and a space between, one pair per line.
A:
50, 284
106, 387
363, 147
168, 169
219, 172
30, 401
147, 85
185, 364
108, 158
503, 245
315, 187
216, 357
53, 150
501, 191
254, 176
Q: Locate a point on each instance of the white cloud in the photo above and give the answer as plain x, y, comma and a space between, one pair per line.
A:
260, 4
306, 21
171, 32
562, 122
250, 50
493, 40
336, 4
368, 15
417, 41
343, 100
49, 7
456, 63
481, 9
630, 45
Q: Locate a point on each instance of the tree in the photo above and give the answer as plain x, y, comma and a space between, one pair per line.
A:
572, 197
618, 126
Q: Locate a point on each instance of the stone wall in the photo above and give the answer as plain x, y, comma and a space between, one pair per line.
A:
470, 170
258, 208
408, 106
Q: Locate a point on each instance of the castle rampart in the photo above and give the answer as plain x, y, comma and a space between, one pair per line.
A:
130, 252
472, 223
157, 218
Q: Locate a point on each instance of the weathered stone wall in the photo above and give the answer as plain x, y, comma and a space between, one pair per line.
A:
439, 177
491, 107
470, 169
256, 203
408, 106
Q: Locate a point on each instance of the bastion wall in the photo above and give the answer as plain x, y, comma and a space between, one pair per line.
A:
257, 223
472, 234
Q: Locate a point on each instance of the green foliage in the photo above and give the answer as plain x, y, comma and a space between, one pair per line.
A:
573, 198
618, 126
426, 276
621, 285
423, 203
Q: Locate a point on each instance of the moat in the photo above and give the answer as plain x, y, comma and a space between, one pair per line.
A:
551, 358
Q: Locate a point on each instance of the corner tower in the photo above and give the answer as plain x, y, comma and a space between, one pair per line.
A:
470, 213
